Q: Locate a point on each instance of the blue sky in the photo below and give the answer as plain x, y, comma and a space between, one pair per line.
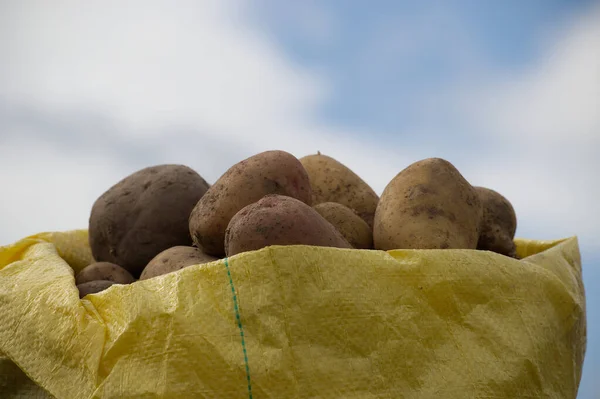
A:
508, 91
394, 51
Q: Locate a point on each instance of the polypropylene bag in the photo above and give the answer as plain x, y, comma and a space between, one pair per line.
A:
297, 322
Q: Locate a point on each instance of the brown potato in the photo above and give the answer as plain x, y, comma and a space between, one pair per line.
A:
144, 214
174, 259
331, 181
354, 229
270, 172
498, 224
279, 220
104, 271
92, 287
428, 205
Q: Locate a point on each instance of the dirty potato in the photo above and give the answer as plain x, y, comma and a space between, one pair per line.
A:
354, 229
92, 287
174, 259
428, 205
144, 214
104, 271
269, 172
332, 181
279, 220
498, 224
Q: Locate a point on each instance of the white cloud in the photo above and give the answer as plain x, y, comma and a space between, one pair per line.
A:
152, 63
46, 190
545, 126
557, 100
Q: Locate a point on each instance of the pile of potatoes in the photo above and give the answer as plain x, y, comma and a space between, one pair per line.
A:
163, 218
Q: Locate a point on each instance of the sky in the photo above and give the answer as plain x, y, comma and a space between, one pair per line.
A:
509, 92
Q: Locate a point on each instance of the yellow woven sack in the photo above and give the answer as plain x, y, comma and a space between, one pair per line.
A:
296, 322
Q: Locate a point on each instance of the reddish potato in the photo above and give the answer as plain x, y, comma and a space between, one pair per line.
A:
174, 259
270, 172
279, 220
92, 287
104, 271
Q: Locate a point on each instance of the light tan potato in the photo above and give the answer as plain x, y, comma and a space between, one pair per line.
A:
331, 181
498, 224
270, 172
92, 287
144, 214
174, 259
354, 229
279, 220
104, 271
428, 205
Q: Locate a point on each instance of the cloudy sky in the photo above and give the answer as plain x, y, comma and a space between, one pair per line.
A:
507, 91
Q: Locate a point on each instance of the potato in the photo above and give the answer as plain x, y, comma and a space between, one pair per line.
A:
331, 181
498, 224
174, 259
270, 172
279, 220
144, 214
104, 271
92, 287
428, 205
354, 229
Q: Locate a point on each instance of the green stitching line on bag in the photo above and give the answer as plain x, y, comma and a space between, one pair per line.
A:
239, 321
